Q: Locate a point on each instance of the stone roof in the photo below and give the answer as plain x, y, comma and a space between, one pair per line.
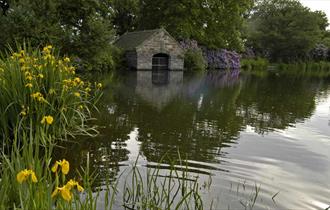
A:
131, 40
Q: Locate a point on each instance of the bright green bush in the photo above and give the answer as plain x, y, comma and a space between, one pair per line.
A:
41, 92
258, 64
107, 60
194, 60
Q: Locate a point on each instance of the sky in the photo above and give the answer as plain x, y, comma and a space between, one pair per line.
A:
323, 5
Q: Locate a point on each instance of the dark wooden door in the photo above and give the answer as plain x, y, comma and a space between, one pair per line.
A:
160, 62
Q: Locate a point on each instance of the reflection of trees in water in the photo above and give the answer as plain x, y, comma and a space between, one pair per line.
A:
191, 122
204, 115
104, 156
276, 102
324, 89
108, 149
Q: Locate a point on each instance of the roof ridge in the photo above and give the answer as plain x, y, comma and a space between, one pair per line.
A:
149, 30
131, 40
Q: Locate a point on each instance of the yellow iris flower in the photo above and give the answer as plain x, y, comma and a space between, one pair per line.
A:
29, 78
29, 85
65, 166
25, 174
72, 184
66, 59
38, 96
65, 191
47, 120
22, 113
99, 85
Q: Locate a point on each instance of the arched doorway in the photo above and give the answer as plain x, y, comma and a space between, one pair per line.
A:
160, 61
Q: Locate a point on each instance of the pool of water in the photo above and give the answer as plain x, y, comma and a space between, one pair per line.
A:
242, 132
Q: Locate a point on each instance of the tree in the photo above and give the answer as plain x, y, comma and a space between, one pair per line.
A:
285, 30
125, 15
4, 6
79, 28
214, 23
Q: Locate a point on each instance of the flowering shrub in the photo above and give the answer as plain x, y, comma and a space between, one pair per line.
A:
221, 59
40, 91
189, 45
215, 59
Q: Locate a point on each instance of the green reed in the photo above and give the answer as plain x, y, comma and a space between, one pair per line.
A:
176, 189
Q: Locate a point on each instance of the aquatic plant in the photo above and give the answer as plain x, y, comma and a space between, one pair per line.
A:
176, 189
41, 92
28, 181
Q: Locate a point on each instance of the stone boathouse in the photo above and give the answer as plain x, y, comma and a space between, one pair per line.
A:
151, 50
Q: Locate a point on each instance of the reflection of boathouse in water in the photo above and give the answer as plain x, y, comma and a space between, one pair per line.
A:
151, 50
159, 87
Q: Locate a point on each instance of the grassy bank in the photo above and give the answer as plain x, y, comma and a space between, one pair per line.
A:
312, 68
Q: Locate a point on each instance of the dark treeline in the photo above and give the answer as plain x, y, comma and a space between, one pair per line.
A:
84, 28
286, 31
279, 30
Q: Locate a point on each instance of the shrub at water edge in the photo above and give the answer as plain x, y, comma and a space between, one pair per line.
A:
193, 58
256, 64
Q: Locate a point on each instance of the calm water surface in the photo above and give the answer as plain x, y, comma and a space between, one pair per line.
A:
241, 130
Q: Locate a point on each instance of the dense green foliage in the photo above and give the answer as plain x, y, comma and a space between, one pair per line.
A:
285, 30
125, 17
81, 29
280, 30
84, 29
214, 23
